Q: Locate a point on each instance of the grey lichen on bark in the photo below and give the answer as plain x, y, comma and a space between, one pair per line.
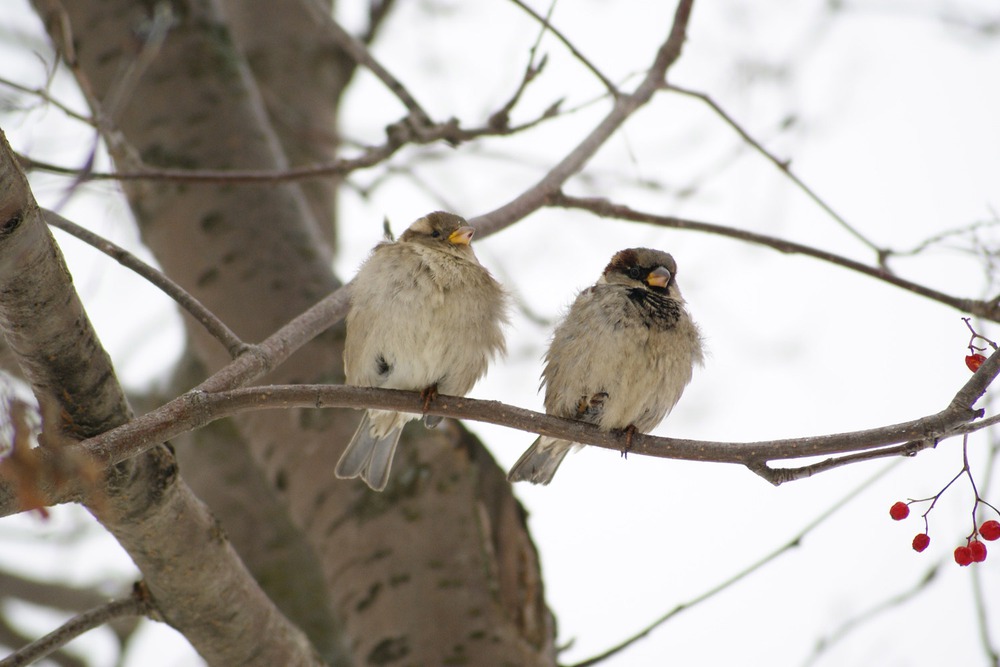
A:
190, 569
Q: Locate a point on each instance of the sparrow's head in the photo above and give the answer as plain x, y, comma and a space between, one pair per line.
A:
443, 231
642, 267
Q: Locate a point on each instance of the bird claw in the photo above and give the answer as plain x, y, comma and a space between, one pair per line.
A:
629, 432
429, 394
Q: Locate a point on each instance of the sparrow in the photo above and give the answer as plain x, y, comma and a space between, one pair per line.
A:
424, 316
620, 359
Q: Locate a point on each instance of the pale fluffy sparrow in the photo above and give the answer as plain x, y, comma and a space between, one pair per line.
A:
620, 359
425, 315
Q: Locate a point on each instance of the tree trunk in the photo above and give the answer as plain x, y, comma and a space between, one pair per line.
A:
440, 568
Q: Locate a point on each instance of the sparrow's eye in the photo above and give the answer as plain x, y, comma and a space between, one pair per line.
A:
435, 234
634, 273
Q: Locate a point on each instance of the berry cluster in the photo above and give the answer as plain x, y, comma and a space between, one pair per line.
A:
973, 552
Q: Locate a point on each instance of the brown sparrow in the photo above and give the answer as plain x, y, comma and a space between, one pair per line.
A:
425, 315
620, 359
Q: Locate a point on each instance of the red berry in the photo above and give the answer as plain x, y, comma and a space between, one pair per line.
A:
963, 556
974, 361
978, 551
990, 530
899, 511
920, 541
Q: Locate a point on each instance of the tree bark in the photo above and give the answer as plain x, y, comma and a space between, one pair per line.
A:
195, 577
441, 566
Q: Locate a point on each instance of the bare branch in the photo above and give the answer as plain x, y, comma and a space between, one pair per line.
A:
199, 312
793, 543
9, 636
136, 604
378, 10
606, 209
198, 408
988, 635
44, 95
624, 106
858, 621
357, 50
783, 165
399, 134
779, 476
170, 535
547, 24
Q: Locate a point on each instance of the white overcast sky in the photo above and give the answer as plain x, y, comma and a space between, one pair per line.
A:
895, 108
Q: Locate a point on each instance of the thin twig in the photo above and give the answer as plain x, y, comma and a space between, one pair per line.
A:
48, 98
779, 476
783, 165
199, 312
501, 118
359, 52
606, 209
858, 621
547, 24
793, 543
151, 36
136, 604
982, 600
378, 10
399, 134
533, 198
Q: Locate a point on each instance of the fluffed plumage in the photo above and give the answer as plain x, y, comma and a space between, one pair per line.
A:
425, 315
620, 358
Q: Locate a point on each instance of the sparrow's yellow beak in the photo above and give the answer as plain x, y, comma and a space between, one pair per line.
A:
462, 235
659, 277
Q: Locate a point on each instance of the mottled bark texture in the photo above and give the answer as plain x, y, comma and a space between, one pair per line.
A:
197, 581
439, 568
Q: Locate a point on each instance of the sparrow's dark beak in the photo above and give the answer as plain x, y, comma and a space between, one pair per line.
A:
462, 235
658, 277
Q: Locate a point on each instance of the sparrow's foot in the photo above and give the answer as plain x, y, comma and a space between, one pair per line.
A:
629, 432
430, 394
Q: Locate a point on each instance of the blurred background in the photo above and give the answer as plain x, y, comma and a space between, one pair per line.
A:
887, 110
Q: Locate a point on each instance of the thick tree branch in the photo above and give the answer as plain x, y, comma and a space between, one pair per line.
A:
210, 402
198, 408
190, 568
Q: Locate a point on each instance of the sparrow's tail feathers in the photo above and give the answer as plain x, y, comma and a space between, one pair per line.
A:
540, 462
369, 456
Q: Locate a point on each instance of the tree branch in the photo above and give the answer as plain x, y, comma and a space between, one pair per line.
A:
783, 165
136, 604
357, 50
192, 570
198, 408
624, 106
547, 25
603, 208
792, 543
897, 600
216, 327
